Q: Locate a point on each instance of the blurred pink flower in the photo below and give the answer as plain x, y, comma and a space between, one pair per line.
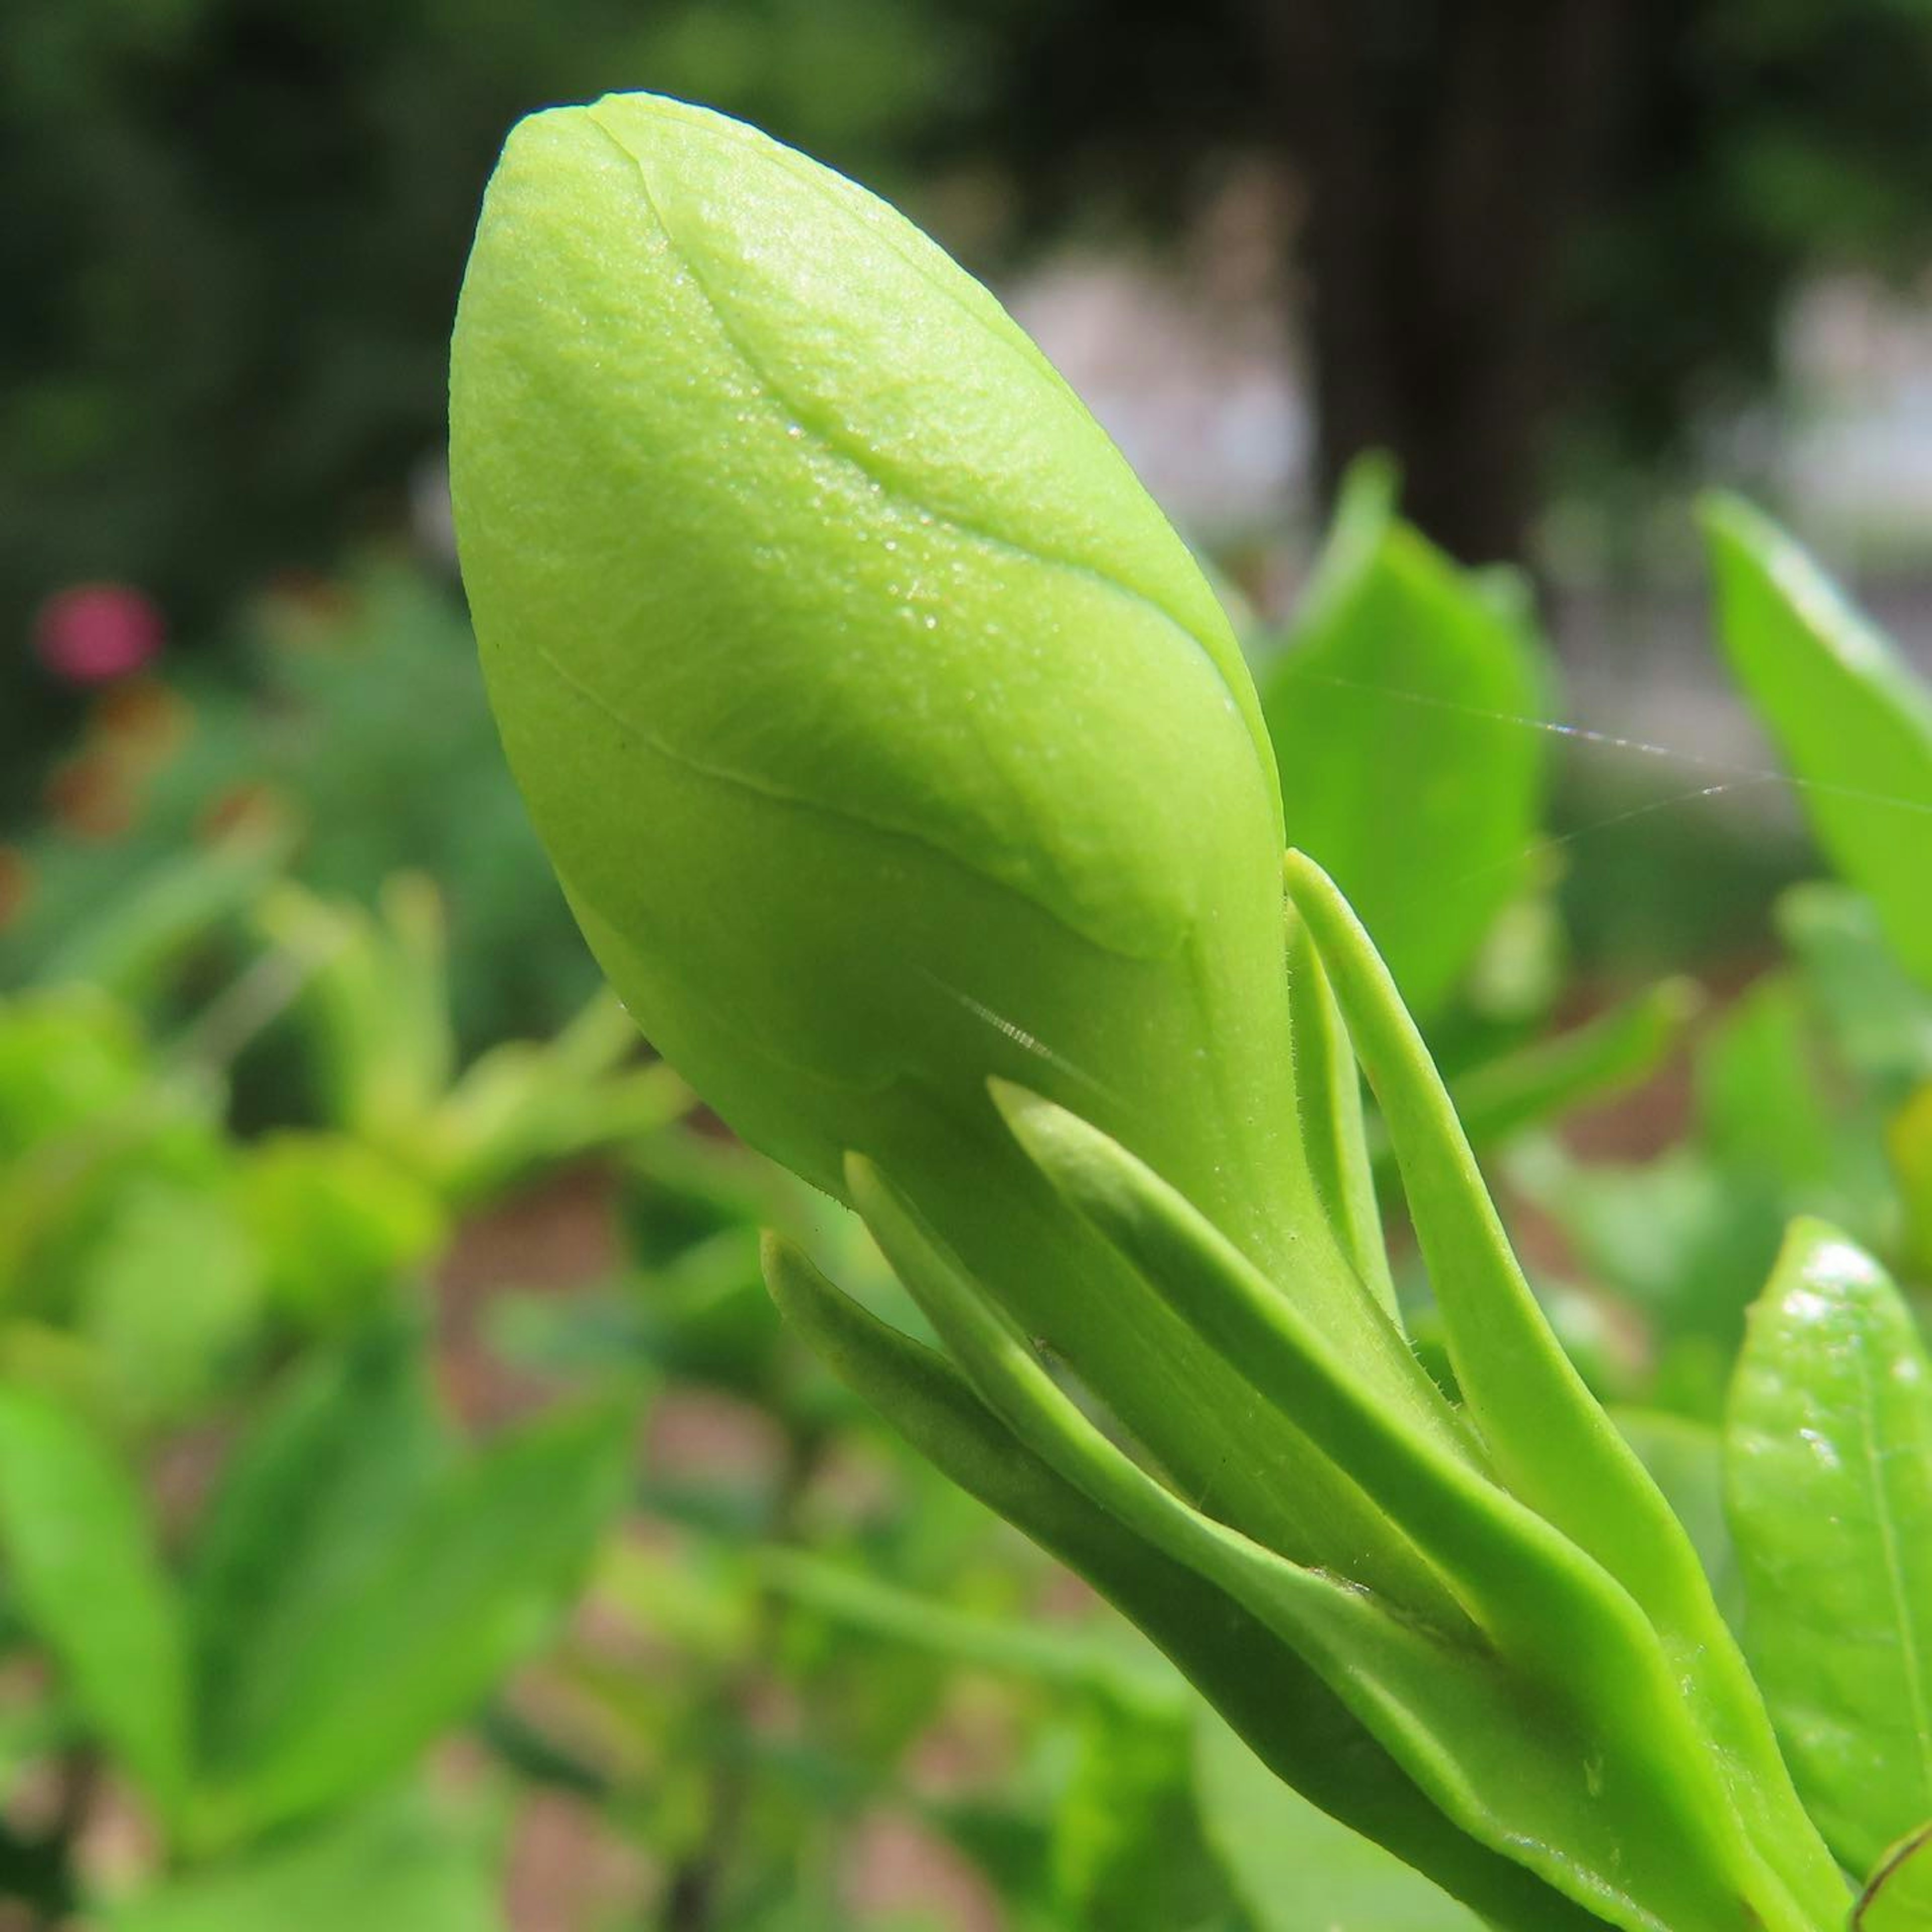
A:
94, 633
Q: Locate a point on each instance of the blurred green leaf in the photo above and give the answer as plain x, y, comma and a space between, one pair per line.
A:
1498, 1098
1774, 1124
80, 1560
397, 1867
309, 1511
167, 1294
375, 1005
1853, 723
1879, 1018
1828, 1452
457, 1590
1093, 1661
1909, 1141
337, 1226
1396, 712
1127, 1846
132, 945
67, 1057
1294, 1868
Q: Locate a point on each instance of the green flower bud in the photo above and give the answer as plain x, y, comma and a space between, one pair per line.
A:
885, 736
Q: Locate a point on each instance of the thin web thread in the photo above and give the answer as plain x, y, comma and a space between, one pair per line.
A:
1729, 776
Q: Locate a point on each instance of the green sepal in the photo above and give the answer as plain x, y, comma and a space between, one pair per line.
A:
1503, 1763
1283, 1709
1551, 1444
1334, 1138
1552, 1614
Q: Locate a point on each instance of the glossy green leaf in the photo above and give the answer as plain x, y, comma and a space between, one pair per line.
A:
1288, 1714
1829, 1460
1295, 1869
81, 1565
473, 1579
1854, 724
1397, 713
398, 1867
1897, 1897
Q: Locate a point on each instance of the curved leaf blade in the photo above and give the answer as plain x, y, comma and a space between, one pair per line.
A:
1829, 1479
81, 1562
1897, 1897
1853, 723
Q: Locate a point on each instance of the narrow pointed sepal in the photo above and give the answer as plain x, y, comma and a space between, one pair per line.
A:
1288, 1715
1550, 1442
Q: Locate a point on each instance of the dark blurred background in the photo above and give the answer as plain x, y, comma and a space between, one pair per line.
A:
1559, 257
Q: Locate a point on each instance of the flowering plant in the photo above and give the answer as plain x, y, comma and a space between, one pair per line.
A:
905, 777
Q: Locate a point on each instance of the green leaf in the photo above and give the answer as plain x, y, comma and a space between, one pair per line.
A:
68, 1056
1769, 1119
1879, 1017
471, 1581
1295, 1869
1853, 723
168, 1293
132, 945
339, 1225
376, 1003
1075, 1659
1898, 1896
1127, 1846
1396, 712
311, 1508
397, 1867
1829, 1479
80, 1559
